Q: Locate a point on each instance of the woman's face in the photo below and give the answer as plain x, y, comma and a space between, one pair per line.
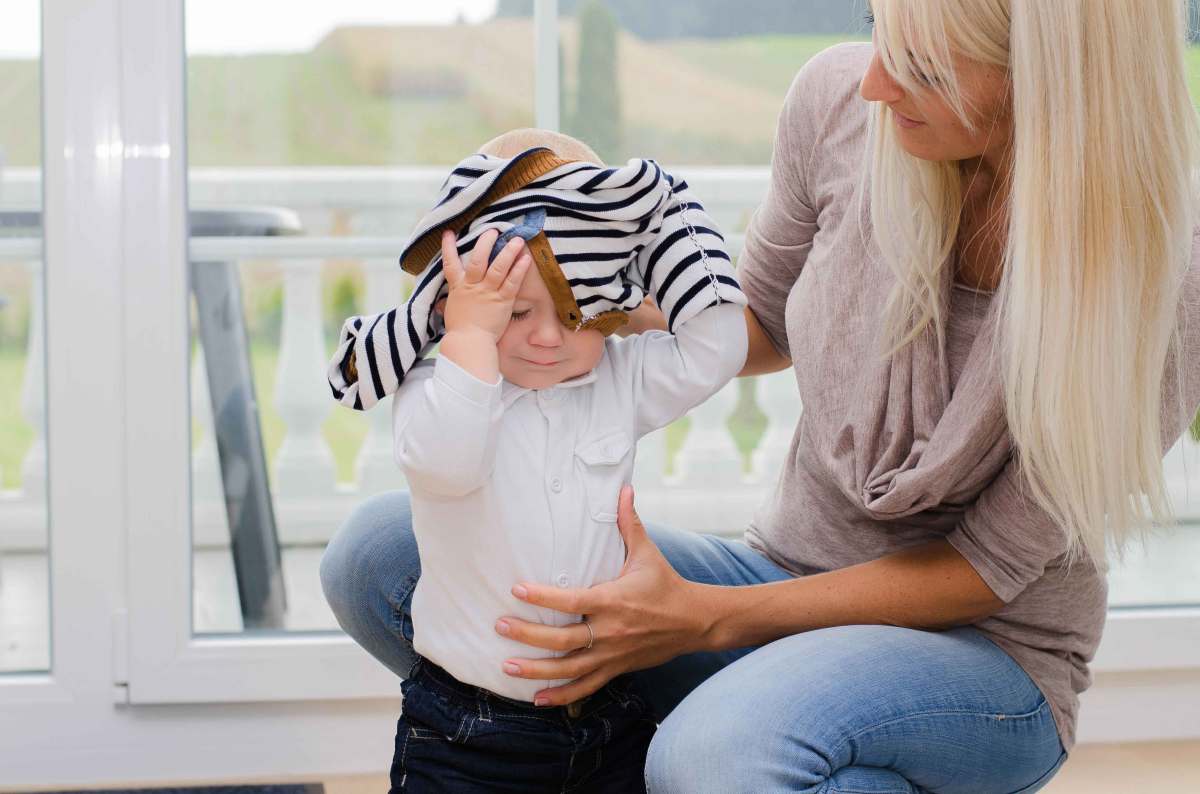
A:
927, 126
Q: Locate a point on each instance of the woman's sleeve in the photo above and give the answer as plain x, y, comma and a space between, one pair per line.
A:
781, 230
1007, 537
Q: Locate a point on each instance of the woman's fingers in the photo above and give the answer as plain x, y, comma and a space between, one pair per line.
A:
575, 665
576, 690
554, 638
572, 600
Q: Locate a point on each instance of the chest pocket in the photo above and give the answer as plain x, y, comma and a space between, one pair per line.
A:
600, 461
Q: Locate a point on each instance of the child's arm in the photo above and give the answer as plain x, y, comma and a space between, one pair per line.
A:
673, 373
445, 414
688, 272
685, 268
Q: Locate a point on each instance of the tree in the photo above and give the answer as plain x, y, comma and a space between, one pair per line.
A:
596, 119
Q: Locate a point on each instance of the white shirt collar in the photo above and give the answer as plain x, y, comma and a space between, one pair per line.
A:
513, 390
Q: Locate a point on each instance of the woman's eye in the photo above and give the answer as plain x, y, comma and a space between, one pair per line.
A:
520, 315
925, 79
869, 18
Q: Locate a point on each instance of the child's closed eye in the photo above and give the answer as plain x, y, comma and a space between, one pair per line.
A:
518, 316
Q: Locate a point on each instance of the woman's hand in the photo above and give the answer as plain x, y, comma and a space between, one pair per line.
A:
646, 616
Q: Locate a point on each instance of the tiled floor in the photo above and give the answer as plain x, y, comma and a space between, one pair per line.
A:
1170, 768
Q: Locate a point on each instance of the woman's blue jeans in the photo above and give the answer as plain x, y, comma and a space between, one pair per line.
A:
853, 709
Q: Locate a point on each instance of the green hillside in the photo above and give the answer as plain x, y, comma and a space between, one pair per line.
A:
408, 95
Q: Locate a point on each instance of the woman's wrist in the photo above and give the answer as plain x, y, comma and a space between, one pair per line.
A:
711, 607
737, 617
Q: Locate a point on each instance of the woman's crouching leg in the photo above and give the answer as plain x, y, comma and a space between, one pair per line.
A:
368, 573
861, 708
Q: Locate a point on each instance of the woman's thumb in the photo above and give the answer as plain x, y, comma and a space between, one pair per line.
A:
632, 530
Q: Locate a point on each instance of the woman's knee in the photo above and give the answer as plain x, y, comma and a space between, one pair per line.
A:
718, 754
800, 713
373, 546
775, 720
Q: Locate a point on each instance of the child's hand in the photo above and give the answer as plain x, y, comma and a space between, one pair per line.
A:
481, 296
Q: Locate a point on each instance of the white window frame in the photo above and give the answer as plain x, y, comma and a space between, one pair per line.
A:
137, 698
166, 662
70, 727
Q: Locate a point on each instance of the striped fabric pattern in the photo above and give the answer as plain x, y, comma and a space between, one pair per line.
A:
618, 234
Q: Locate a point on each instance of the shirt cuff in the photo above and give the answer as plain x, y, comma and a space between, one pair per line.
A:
464, 384
1001, 583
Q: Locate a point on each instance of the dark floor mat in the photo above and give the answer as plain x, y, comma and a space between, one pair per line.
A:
304, 788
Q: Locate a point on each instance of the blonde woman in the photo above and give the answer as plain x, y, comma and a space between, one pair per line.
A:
977, 254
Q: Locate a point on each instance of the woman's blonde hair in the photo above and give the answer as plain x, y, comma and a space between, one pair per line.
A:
1099, 232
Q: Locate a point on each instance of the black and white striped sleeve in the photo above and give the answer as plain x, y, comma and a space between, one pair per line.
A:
686, 267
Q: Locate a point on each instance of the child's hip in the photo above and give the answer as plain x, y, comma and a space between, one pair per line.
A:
454, 736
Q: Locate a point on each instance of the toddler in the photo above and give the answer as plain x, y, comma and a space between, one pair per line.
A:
516, 439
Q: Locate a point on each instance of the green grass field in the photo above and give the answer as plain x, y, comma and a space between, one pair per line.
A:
684, 101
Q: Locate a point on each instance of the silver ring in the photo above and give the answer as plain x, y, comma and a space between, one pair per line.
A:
591, 634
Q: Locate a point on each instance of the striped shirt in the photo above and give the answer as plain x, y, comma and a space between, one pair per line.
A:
618, 234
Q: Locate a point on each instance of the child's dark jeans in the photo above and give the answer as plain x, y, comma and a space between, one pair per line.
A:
454, 737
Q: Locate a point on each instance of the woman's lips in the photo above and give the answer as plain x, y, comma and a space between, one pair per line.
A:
905, 122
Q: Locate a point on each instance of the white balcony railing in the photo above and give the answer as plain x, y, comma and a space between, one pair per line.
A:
360, 215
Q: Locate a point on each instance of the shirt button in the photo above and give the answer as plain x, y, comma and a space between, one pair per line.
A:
556, 485
562, 580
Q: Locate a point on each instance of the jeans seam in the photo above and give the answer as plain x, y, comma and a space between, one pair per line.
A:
404, 760
424, 733
463, 724
938, 713
583, 780
570, 766
1047, 775
508, 715
397, 598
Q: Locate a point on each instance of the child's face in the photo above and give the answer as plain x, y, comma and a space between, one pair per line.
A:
537, 351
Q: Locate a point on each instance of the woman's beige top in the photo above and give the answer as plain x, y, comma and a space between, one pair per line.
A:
893, 453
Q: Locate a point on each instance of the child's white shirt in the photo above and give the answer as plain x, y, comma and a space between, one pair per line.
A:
511, 484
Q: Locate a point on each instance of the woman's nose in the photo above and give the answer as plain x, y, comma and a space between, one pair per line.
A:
877, 85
